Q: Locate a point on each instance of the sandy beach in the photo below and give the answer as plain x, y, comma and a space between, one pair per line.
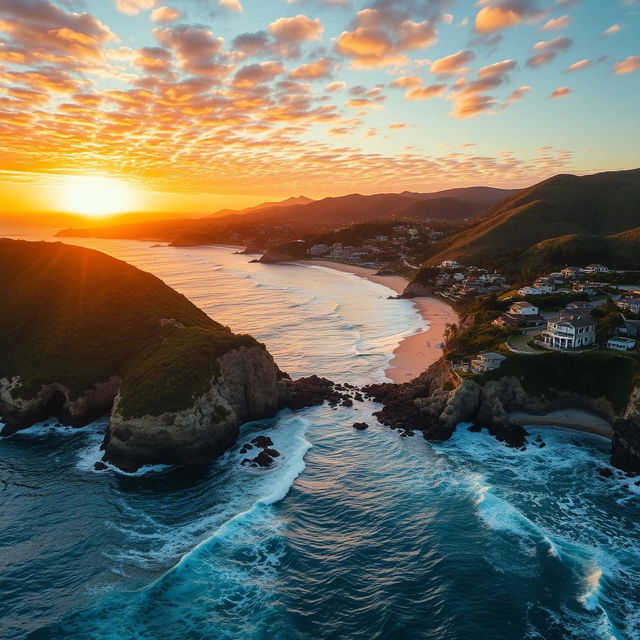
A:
567, 419
415, 353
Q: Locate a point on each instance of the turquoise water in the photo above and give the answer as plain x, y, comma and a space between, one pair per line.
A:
355, 535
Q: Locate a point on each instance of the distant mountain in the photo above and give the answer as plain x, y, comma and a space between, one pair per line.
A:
447, 208
600, 205
468, 194
289, 202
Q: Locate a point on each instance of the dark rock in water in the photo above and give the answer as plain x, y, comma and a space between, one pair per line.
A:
360, 426
347, 402
523, 448
538, 438
605, 472
272, 452
358, 397
542, 445
100, 466
263, 459
309, 392
246, 447
474, 428
262, 442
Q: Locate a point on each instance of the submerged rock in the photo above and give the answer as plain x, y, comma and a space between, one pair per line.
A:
360, 426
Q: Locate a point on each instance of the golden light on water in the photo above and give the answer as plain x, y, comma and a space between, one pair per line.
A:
96, 196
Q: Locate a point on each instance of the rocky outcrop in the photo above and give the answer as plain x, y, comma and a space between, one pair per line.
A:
417, 290
625, 449
286, 252
247, 388
19, 410
437, 401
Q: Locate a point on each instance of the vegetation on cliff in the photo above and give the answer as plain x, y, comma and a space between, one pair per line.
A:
76, 317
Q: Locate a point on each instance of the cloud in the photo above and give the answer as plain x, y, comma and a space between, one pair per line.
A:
425, 93
560, 92
164, 15
154, 60
518, 94
313, 71
232, 5
198, 51
579, 66
255, 74
380, 36
134, 7
406, 82
500, 15
547, 50
296, 29
629, 65
335, 86
454, 63
614, 28
42, 32
471, 105
556, 24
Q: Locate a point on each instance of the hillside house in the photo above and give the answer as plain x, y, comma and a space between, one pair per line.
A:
487, 362
596, 268
569, 331
620, 343
571, 273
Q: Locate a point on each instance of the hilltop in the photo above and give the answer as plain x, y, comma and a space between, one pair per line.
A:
83, 334
586, 215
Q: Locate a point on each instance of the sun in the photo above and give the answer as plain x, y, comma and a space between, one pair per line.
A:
96, 196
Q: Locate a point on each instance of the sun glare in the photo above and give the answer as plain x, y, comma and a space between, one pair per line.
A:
96, 196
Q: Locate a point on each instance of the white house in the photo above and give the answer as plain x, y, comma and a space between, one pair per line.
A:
571, 272
630, 302
523, 309
621, 344
487, 362
569, 332
532, 291
596, 268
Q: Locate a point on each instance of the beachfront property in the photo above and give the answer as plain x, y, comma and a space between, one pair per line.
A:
569, 331
620, 343
487, 362
519, 313
596, 268
630, 302
533, 291
584, 308
572, 273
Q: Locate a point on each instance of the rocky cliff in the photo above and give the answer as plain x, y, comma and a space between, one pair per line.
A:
84, 335
438, 400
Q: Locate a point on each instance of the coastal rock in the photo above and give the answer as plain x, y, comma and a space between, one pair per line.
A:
417, 290
296, 250
625, 449
360, 426
247, 388
53, 400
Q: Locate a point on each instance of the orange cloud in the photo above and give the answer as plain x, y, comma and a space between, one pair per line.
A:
424, 93
560, 92
313, 71
453, 63
164, 15
628, 65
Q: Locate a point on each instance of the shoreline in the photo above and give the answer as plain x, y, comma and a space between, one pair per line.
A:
573, 419
416, 352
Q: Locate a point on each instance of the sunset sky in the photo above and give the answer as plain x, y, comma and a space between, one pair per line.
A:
188, 106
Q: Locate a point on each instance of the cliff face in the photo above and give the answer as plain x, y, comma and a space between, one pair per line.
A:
437, 401
246, 389
625, 452
83, 335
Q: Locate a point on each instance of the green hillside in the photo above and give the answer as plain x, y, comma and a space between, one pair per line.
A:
601, 205
77, 317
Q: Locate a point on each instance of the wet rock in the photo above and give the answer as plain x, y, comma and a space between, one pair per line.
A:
605, 472
245, 448
360, 426
474, 428
100, 466
542, 445
347, 402
272, 452
262, 442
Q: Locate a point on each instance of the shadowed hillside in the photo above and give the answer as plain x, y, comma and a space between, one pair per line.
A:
601, 205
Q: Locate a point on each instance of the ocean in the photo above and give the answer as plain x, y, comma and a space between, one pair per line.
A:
351, 535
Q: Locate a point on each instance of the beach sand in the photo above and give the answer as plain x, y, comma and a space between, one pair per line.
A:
566, 419
417, 352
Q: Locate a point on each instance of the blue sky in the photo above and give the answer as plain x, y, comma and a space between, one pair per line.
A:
211, 100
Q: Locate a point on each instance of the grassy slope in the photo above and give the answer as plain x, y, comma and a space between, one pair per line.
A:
602, 205
78, 317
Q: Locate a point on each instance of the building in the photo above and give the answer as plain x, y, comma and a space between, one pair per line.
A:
523, 309
584, 308
449, 264
545, 284
318, 250
585, 288
532, 291
487, 362
569, 331
571, 273
621, 344
630, 302
596, 268
519, 313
